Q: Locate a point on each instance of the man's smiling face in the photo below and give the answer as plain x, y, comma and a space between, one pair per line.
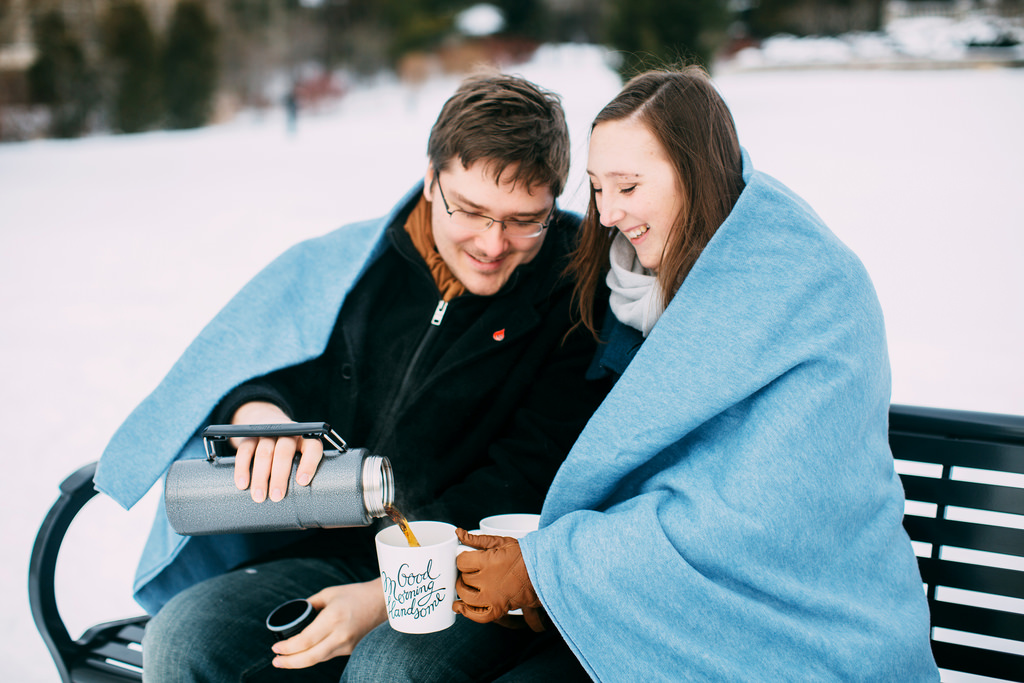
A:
484, 261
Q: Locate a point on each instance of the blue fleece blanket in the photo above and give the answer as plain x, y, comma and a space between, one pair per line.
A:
731, 511
283, 317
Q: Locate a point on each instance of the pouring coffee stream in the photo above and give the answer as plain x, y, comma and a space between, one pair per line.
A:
403, 524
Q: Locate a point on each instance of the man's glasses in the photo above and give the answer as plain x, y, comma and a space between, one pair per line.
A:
480, 223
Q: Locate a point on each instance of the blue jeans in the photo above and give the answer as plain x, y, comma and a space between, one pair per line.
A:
216, 631
464, 652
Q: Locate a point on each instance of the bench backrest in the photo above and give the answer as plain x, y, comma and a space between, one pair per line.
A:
963, 474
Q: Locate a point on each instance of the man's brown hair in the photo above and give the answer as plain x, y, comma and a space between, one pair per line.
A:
514, 126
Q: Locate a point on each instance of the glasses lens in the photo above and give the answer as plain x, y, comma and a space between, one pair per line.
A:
523, 229
471, 221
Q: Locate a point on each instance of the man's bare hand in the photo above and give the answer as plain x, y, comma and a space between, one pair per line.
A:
347, 613
265, 464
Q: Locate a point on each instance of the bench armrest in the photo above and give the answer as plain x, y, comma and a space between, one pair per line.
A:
75, 492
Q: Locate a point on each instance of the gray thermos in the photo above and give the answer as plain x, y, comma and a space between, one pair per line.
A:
350, 488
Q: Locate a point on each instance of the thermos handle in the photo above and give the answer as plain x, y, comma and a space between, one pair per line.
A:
307, 430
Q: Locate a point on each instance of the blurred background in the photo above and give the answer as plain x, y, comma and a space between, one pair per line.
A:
154, 155
74, 67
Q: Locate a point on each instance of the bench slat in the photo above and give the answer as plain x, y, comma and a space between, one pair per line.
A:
992, 539
132, 633
992, 580
978, 661
120, 652
971, 619
999, 457
969, 494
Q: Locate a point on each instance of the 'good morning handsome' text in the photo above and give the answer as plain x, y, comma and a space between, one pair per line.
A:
412, 593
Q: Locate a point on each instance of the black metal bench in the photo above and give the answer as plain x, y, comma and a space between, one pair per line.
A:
964, 477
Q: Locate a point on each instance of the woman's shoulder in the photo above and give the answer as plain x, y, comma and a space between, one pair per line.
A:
773, 221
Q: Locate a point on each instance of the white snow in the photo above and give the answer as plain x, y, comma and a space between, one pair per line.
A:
115, 251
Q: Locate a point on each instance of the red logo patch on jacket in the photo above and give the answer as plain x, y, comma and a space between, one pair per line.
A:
499, 335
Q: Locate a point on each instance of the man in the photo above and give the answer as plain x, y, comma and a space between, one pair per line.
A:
438, 336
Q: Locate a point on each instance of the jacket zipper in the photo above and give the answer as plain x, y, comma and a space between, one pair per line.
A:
435, 323
442, 306
403, 388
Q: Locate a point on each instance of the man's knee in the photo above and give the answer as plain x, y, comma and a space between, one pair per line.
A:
171, 638
369, 660
186, 640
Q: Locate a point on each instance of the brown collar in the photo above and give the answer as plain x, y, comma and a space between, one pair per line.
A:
420, 229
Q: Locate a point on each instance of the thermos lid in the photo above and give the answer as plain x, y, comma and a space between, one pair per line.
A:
290, 618
378, 485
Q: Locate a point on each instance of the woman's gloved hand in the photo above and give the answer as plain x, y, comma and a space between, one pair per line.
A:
493, 581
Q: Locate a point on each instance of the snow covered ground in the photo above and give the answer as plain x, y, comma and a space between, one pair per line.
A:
115, 251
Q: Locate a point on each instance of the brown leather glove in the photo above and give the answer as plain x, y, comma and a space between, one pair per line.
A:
493, 580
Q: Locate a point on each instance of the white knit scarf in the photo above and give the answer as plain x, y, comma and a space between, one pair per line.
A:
635, 298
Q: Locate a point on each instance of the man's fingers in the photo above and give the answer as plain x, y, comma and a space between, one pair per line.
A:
320, 652
329, 635
312, 453
281, 470
261, 464
270, 460
243, 461
300, 642
304, 649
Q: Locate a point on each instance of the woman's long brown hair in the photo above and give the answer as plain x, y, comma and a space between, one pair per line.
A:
690, 120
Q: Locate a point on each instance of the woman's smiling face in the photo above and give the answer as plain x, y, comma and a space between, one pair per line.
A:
635, 186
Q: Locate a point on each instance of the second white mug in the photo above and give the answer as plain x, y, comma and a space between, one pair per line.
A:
513, 525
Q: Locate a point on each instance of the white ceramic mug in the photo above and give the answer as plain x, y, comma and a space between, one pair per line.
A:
513, 525
419, 583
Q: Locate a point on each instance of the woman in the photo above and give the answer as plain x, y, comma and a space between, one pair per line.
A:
731, 511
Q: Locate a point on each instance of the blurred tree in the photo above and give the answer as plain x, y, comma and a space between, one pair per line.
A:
577, 21
653, 33
417, 24
254, 39
766, 18
526, 18
130, 48
253, 15
61, 78
369, 35
189, 66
